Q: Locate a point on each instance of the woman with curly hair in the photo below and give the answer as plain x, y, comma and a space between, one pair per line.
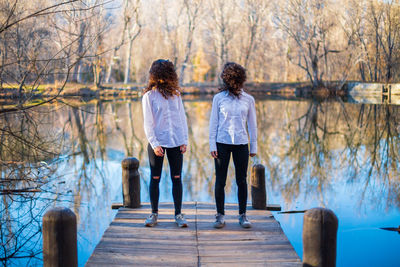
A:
232, 109
166, 129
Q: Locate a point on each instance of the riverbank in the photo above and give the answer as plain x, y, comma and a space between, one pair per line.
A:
383, 92
70, 90
134, 90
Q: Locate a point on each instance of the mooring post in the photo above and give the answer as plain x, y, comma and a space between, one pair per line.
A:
319, 238
59, 238
131, 183
258, 192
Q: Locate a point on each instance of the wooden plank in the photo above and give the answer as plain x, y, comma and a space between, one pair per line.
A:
119, 259
264, 244
128, 242
253, 263
143, 242
161, 251
245, 255
274, 207
116, 206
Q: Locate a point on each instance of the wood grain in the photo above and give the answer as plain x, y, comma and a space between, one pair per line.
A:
128, 243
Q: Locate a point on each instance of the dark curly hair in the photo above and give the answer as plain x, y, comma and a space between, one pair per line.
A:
233, 76
163, 77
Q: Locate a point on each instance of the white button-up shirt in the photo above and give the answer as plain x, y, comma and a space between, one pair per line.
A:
229, 116
164, 120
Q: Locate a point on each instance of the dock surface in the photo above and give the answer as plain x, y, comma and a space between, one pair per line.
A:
127, 242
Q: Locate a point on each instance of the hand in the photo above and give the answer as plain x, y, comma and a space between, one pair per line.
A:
214, 154
253, 154
183, 148
159, 151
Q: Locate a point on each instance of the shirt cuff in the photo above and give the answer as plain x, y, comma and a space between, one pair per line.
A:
154, 144
253, 148
213, 146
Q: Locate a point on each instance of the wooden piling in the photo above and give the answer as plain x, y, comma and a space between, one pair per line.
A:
258, 192
131, 183
59, 238
319, 238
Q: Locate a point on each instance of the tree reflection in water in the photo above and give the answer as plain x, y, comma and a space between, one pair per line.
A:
71, 153
315, 145
26, 156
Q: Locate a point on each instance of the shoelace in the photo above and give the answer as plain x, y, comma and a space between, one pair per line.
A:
179, 217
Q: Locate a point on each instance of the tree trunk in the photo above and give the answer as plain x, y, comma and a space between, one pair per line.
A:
315, 78
185, 61
76, 73
96, 75
110, 66
128, 62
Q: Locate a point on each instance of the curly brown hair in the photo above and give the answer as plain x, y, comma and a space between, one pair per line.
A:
163, 77
233, 76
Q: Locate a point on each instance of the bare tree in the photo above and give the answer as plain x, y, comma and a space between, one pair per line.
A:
133, 28
254, 16
193, 10
386, 21
314, 40
374, 28
33, 53
308, 24
222, 26
117, 47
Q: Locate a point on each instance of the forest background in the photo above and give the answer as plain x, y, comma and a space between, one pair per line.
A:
103, 41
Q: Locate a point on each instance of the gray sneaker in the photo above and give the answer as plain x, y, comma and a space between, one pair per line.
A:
243, 221
219, 221
151, 220
180, 220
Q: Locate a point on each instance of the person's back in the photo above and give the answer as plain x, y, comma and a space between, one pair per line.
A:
232, 110
232, 120
169, 120
165, 127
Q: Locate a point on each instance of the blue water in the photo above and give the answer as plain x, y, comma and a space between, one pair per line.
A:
333, 155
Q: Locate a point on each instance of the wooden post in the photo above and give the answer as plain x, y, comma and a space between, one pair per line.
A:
258, 192
59, 238
131, 183
319, 238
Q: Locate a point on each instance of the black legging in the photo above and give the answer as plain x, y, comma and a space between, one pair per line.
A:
175, 159
240, 155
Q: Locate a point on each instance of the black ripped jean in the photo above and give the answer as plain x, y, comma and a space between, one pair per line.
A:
240, 154
175, 159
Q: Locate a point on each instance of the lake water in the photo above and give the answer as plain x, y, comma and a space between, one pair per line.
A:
337, 155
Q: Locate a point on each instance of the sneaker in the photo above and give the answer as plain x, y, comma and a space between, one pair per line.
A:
151, 220
219, 221
243, 221
180, 220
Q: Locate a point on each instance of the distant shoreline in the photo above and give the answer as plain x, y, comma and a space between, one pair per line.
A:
301, 89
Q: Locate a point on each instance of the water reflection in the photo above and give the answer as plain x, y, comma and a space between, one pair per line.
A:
69, 153
25, 153
334, 141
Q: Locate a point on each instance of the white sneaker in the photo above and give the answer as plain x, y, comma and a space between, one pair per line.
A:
219, 221
180, 220
244, 221
151, 220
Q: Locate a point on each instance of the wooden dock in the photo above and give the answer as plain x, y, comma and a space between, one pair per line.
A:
128, 243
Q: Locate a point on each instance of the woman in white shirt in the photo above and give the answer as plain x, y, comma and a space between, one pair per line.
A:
166, 129
232, 109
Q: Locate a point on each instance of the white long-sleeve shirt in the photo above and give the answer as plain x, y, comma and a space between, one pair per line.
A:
229, 116
164, 120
